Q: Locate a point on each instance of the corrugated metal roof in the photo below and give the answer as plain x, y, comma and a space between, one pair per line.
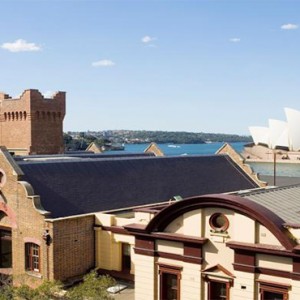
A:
283, 201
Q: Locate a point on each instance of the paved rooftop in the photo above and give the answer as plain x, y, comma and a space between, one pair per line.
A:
127, 294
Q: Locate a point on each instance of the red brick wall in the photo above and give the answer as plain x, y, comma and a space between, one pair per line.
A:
73, 247
25, 221
32, 123
71, 252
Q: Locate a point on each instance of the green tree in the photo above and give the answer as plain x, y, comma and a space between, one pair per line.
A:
24, 292
93, 287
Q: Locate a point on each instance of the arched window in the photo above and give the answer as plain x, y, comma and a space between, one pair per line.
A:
43, 115
25, 115
32, 257
9, 116
17, 116
48, 115
37, 115
54, 116
21, 115
5, 116
12, 115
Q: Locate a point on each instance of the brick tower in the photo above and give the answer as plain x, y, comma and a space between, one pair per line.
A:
32, 124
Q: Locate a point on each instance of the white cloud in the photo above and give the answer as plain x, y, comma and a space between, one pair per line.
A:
289, 26
48, 94
148, 39
103, 63
235, 40
20, 46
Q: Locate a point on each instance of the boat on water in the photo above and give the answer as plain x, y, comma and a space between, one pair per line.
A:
113, 147
173, 146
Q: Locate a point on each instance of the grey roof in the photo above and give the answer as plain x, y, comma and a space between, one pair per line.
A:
78, 186
283, 201
280, 180
82, 155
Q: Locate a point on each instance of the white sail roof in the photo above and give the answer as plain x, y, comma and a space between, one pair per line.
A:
279, 133
293, 120
260, 135
279, 136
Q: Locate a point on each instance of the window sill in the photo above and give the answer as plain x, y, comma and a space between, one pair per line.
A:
34, 274
223, 234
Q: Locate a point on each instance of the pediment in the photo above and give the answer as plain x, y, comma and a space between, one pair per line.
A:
217, 271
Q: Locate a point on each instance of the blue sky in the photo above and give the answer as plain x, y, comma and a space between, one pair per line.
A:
198, 66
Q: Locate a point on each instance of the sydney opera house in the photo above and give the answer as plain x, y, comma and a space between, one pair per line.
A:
280, 137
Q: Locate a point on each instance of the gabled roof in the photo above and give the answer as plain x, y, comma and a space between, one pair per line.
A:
78, 186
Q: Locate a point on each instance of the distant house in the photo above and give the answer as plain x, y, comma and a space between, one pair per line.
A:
49, 204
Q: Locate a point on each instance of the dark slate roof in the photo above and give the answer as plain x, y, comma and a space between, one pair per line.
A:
78, 186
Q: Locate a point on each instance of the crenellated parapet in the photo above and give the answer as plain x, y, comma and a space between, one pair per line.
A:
4, 96
32, 103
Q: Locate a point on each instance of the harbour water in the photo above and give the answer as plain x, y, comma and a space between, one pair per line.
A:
264, 168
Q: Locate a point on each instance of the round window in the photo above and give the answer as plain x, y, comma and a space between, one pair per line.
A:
218, 222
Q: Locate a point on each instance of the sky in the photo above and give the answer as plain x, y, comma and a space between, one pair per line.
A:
172, 65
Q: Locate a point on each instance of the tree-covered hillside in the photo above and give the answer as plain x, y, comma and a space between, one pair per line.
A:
80, 140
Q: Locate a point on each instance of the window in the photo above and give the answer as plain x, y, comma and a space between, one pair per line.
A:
169, 282
273, 291
126, 258
219, 222
218, 290
32, 257
5, 248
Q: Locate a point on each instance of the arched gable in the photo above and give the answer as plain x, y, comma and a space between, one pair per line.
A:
238, 204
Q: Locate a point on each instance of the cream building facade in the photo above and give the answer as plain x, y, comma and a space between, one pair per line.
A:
234, 246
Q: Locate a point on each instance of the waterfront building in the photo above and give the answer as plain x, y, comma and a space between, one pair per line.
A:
181, 227
279, 140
